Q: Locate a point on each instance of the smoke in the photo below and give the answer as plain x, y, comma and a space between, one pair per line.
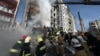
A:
40, 15
45, 12
43, 17
52, 1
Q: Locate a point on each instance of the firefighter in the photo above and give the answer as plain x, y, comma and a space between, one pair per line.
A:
14, 51
25, 49
59, 45
41, 47
93, 43
84, 44
79, 49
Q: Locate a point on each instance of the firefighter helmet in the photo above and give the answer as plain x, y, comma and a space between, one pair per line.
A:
39, 39
27, 40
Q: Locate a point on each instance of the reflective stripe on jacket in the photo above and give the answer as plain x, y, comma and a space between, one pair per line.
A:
42, 48
19, 42
13, 50
28, 54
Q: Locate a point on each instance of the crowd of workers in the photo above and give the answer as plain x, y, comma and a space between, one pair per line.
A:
84, 45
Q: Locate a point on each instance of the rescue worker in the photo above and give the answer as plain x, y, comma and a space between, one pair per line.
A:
66, 38
25, 49
41, 47
84, 44
79, 49
14, 51
59, 45
93, 43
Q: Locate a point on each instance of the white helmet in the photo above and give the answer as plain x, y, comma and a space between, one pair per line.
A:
58, 33
27, 40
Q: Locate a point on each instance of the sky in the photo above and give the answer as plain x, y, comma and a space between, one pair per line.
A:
88, 13
20, 11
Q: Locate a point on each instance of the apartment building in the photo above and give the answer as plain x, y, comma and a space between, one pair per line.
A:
8, 10
94, 27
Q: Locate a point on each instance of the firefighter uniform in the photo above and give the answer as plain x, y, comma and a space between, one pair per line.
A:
41, 48
25, 50
78, 47
59, 45
14, 51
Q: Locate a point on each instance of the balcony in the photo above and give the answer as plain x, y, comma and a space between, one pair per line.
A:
6, 10
13, 2
6, 14
92, 23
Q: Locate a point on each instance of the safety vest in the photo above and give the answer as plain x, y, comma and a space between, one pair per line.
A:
13, 50
19, 42
28, 54
16, 46
43, 48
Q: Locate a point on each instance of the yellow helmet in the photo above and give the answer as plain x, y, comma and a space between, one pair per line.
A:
27, 40
39, 39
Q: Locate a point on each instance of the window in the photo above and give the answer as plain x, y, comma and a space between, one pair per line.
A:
92, 23
94, 30
97, 23
69, 22
93, 27
99, 27
54, 14
54, 9
1, 8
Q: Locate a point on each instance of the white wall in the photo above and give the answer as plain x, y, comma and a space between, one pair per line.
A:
64, 18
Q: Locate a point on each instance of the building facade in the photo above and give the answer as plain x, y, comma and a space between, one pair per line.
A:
94, 27
8, 10
54, 18
72, 22
31, 9
61, 17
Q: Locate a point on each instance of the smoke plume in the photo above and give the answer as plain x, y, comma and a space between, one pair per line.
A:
52, 1
40, 13
43, 17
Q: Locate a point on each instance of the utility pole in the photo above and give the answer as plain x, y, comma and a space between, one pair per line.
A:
81, 24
